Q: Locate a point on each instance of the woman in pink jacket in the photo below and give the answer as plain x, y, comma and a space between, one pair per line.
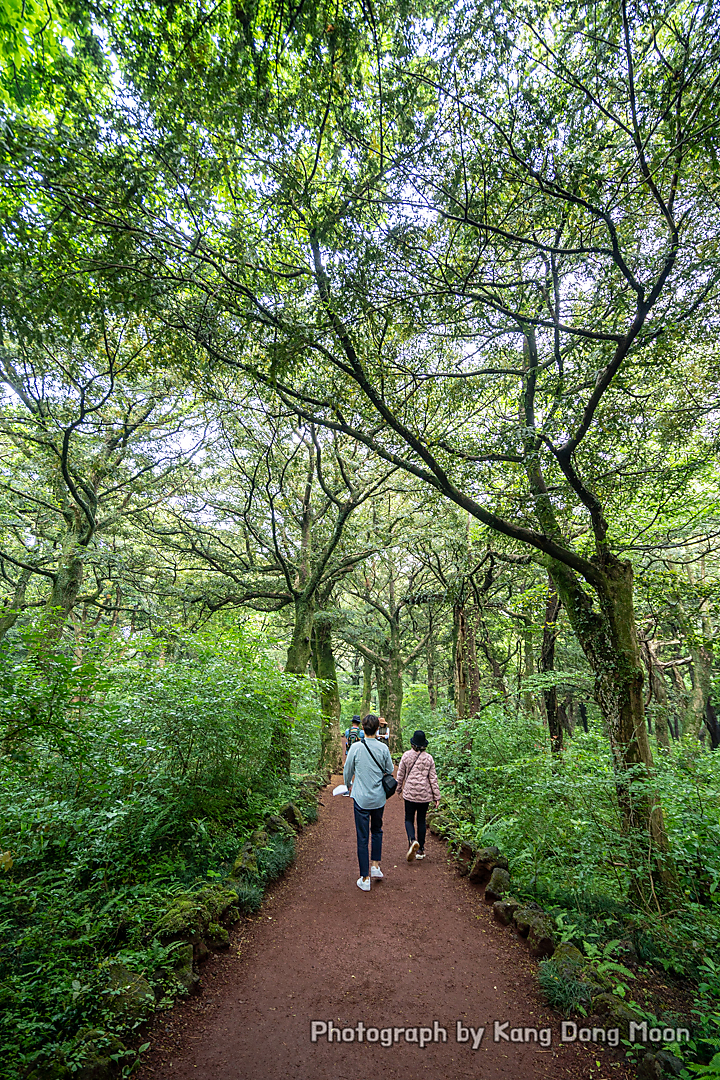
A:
417, 780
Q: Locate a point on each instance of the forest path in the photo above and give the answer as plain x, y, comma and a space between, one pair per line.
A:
420, 947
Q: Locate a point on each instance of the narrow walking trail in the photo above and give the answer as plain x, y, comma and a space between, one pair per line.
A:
421, 949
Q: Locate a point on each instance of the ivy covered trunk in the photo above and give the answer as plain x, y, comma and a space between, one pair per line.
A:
701, 673
324, 667
366, 702
430, 656
393, 702
496, 668
298, 658
659, 692
300, 647
528, 666
380, 682
11, 608
609, 640
547, 665
63, 595
460, 694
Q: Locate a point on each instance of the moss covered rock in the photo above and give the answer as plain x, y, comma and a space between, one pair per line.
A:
524, 915
275, 824
217, 936
503, 910
615, 1013
183, 971
541, 937
485, 861
129, 995
537, 926
310, 786
463, 858
189, 915
660, 1065
498, 885
567, 957
92, 1059
292, 813
186, 918
219, 900
438, 824
97, 1051
246, 862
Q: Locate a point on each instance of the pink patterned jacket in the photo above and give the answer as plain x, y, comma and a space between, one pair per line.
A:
417, 778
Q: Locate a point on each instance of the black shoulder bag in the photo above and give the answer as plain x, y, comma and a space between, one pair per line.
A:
389, 782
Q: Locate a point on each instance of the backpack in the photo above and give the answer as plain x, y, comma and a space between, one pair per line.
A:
352, 736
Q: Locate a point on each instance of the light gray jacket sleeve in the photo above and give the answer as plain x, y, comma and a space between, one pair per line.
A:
349, 770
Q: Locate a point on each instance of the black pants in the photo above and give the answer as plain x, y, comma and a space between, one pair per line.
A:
410, 808
368, 826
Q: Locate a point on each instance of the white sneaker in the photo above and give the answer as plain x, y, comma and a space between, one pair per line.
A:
412, 851
420, 855
347, 795
376, 872
363, 883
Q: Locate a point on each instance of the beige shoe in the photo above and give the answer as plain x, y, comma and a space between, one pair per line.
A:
412, 851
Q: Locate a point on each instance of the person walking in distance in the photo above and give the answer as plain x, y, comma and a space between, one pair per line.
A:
353, 734
366, 763
417, 779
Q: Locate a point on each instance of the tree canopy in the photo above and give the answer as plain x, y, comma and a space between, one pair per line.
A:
375, 347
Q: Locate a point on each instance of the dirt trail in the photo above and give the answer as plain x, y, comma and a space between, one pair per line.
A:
420, 948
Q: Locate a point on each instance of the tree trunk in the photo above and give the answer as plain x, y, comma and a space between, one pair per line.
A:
610, 643
381, 683
300, 647
63, 595
701, 672
658, 688
324, 667
460, 695
366, 703
547, 664
472, 676
431, 678
528, 666
713, 726
11, 608
393, 703
298, 657
496, 668
431, 662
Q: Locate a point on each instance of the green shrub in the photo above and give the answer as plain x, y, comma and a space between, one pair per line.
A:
563, 990
122, 792
274, 859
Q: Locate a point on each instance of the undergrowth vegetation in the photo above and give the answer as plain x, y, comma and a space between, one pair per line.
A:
118, 792
556, 818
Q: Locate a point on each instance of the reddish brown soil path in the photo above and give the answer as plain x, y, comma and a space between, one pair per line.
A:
420, 948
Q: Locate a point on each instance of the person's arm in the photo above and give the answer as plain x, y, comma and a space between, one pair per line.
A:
432, 777
401, 772
349, 770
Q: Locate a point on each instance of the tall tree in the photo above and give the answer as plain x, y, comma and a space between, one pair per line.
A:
92, 440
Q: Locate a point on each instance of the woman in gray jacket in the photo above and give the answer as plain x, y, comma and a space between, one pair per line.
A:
365, 764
